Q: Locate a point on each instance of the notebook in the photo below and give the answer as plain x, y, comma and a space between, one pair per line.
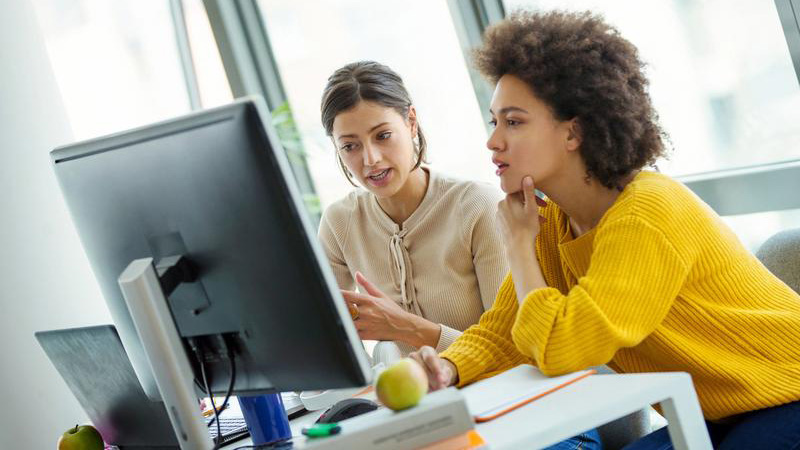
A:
491, 398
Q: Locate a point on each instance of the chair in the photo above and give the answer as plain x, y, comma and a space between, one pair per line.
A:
781, 255
621, 432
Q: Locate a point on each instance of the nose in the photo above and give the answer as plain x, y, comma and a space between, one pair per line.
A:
371, 155
495, 142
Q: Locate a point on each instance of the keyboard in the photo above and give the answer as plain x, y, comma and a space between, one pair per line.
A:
232, 428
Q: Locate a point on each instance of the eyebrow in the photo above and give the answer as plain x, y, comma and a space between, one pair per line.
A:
509, 109
370, 131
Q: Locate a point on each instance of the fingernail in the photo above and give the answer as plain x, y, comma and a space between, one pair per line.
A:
528, 181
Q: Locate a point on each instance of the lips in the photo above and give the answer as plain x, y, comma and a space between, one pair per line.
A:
501, 166
379, 177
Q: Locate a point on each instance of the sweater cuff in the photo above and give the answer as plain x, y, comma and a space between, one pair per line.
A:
447, 336
467, 360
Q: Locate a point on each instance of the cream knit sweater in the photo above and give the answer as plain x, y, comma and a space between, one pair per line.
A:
444, 263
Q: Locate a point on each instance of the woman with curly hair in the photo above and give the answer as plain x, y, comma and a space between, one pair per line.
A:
620, 265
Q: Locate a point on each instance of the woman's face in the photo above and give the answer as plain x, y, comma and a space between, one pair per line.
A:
376, 144
527, 138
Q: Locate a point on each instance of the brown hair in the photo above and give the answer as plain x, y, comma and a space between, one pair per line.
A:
581, 68
368, 81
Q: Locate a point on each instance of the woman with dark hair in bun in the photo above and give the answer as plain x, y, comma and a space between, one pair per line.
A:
422, 246
620, 265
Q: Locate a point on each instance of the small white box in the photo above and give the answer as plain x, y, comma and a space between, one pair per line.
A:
440, 415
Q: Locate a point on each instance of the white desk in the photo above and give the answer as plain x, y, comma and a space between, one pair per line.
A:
597, 400
587, 404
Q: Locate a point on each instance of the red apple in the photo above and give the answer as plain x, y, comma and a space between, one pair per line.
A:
84, 437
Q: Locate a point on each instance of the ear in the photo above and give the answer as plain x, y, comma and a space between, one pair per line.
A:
574, 135
412, 120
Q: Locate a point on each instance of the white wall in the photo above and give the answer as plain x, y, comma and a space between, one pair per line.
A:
45, 279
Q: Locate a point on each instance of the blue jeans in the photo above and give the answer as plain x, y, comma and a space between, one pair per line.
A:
768, 429
589, 440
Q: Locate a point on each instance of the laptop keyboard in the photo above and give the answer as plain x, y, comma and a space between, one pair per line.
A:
232, 428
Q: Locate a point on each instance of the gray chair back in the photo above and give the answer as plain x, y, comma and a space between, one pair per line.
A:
781, 255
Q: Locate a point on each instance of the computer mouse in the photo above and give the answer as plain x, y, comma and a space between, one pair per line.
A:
347, 408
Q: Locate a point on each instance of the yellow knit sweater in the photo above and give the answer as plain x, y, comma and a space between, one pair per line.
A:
660, 284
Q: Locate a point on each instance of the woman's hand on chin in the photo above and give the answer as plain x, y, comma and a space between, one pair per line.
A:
518, 217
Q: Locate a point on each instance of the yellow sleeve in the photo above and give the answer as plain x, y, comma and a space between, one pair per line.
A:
486, 348
632, 281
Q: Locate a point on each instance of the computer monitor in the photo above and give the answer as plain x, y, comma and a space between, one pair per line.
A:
215, 187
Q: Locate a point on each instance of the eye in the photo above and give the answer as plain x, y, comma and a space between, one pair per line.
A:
512, 122
347, 147
384, 135
493, 123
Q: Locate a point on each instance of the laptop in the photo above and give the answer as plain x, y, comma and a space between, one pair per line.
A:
93, 363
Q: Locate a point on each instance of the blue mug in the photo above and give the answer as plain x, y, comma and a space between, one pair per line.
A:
266, 418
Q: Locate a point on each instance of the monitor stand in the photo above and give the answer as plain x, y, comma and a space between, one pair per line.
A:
162, 344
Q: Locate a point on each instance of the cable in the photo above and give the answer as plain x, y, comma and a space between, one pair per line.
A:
218, 439
205, 386
230, 385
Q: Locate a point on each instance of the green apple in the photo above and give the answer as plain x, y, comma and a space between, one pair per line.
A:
402, 385
84, 437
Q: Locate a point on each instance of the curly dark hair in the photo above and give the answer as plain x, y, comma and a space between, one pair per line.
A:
581, 68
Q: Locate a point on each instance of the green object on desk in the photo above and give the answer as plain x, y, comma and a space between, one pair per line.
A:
321, 430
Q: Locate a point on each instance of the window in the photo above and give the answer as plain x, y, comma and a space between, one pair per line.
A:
721, 77
116, 63
722, 82
754, 229
416, 39
211, 79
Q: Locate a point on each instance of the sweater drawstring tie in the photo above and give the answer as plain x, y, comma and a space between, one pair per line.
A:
401, 274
